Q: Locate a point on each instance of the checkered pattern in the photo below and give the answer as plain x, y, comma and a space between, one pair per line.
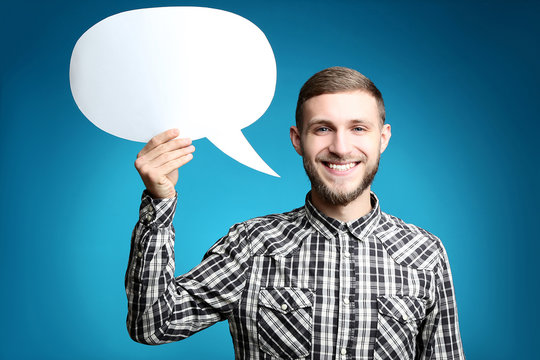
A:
299, 285
285, 311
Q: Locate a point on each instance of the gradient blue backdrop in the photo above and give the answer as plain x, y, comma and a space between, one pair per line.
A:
460, 81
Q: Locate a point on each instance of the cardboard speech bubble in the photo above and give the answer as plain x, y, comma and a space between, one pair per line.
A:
207, 72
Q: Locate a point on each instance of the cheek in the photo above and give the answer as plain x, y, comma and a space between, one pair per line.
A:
373, 147
311, 149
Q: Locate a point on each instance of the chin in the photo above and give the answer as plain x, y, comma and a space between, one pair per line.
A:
339, 191
335, 197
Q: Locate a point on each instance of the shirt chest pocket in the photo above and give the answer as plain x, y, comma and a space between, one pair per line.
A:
399, 319
285, 321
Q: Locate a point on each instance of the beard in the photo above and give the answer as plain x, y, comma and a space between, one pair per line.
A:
335, 197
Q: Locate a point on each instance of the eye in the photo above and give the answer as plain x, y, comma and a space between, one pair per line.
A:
358, 129
322, 129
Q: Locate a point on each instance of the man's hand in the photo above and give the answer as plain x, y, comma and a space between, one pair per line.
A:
159, 160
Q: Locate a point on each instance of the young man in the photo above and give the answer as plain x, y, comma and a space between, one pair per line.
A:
334, 279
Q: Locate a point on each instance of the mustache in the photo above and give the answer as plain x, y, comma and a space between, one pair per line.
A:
338, 159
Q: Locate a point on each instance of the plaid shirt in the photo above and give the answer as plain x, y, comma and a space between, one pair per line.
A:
299, 285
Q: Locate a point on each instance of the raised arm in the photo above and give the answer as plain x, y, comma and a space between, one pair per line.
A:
162, 308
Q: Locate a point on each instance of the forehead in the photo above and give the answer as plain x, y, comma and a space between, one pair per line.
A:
343, 106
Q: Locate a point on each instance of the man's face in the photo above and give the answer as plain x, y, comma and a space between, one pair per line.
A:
341, 143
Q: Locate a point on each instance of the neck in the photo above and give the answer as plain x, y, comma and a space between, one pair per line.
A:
352, 211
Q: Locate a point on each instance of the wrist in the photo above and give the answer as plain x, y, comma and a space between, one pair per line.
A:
161, 196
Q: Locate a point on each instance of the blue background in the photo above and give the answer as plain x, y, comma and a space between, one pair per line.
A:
460, 80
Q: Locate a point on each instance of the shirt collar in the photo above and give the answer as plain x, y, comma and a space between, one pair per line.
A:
330, 227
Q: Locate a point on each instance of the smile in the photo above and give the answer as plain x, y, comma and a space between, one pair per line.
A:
341, 167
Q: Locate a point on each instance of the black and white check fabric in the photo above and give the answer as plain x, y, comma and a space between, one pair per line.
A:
299, 285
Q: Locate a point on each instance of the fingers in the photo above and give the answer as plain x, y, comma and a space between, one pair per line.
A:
170, 155
159, 139
165, 148
159, 160
176, 163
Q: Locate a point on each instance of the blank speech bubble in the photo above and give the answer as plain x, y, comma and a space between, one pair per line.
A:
208, 72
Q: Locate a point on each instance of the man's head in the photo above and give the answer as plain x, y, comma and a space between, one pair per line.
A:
335, 80
340, 133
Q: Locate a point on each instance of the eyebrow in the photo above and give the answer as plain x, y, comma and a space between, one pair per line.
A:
323, 121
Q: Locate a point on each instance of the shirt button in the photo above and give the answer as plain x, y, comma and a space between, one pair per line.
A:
149, 217
346, 301
347, 254
405, 318
284, 307
343, 351
139, 254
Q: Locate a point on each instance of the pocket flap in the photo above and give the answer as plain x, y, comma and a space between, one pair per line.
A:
401, 308
285, 300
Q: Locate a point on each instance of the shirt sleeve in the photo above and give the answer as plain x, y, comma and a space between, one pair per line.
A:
162, 308
440, 337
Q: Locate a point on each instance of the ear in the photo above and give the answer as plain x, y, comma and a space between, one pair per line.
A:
295, 139
386, 134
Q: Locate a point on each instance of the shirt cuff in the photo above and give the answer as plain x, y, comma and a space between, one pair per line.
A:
157, 212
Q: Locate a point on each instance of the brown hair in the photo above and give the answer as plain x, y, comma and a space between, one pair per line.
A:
335, 80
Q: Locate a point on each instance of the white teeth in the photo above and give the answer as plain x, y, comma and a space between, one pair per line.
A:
344, 167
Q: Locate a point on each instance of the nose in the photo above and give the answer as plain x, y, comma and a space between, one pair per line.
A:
341, 144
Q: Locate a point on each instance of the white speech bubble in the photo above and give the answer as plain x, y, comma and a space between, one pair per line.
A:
208, 72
